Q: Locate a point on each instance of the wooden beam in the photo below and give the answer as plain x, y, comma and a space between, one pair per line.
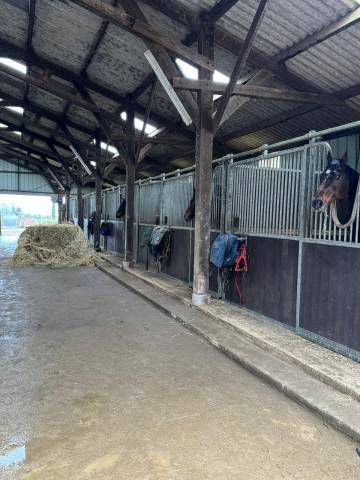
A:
241, 61
31, 21
57, 89
33, 135
64, 163
14, 140
122, 137
145, 121
163, 59
31, 58
269, 65
43, 112
66, 138
342, 94
209, 17
233, 44
255, 91
137, 27
325, 33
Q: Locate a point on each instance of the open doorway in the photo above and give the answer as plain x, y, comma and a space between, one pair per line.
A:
20, 211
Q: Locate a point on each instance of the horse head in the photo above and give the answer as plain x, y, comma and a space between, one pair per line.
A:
190, 211
334, 183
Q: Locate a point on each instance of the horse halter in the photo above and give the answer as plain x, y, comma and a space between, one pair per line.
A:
333, 172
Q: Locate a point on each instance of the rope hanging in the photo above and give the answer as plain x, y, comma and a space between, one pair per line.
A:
351, 220
333, 211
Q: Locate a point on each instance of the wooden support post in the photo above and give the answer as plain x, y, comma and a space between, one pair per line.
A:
203, 176
60, 220
130, 191
80, 204
67, 203
98, 199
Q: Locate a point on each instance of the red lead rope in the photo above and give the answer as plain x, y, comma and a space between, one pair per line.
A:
241, 265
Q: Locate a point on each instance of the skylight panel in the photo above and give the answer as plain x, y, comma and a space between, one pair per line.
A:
16, 109
107, 147
20, 67
2, 125
187, 70
220, 77
138, 124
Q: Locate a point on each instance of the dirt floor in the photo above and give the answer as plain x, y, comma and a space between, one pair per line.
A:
97, 384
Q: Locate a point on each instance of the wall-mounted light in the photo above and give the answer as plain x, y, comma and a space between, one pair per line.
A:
168, 88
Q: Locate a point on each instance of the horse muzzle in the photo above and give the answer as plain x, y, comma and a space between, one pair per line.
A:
318, 204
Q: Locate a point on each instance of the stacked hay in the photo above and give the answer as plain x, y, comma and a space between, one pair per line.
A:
53, 246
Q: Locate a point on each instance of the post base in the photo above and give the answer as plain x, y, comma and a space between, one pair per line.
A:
126, 264
200, 299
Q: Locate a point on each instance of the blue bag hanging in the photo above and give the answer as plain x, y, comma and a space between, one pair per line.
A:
224, 250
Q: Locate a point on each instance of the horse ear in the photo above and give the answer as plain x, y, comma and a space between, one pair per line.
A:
329, 157
344, 159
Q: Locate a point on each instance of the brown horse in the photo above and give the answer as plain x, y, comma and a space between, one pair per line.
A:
338, 182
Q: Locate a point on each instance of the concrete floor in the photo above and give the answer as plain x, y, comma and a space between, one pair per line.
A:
8, 241
97, 384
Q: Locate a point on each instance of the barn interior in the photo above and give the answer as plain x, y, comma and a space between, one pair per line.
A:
129, 114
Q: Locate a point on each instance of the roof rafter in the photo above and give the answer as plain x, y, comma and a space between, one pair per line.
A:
229, 42
325, 33
287, 115
31, 58
57, 89
139, 27
255, 91
13, 140
48, 114
240, 62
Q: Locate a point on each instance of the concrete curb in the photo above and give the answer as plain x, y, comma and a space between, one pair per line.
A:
336, 408
279, 353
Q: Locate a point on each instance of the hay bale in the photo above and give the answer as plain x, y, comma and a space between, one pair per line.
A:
53, 246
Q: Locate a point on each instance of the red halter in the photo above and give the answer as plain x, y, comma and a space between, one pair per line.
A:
241, 262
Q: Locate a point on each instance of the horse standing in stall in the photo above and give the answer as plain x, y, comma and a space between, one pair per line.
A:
339, 185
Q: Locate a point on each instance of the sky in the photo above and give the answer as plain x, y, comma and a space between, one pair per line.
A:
33, 204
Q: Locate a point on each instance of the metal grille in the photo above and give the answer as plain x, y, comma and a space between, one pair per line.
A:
320, 225
111, 204
264, 194
149, 202
267, 195
176, 196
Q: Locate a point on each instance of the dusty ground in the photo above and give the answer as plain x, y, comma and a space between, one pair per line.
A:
97, 384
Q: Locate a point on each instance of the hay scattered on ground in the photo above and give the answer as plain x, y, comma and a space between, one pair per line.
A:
53, 246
